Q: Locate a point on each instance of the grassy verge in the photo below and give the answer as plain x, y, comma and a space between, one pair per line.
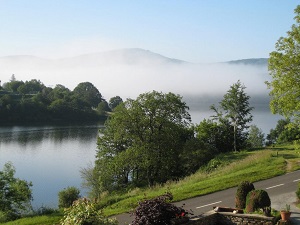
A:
227, 171
36, 220
233, 169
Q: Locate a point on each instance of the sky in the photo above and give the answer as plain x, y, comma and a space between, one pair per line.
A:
199, 31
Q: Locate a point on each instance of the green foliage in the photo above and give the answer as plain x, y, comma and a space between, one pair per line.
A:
241, 194
31, 87
13, 86
36, 220
142, 142
115, 101
298, 192
103, 107
67, 196
257, 199
195, 154
284, 69
235, 110
256, 137
15, 194
218, 135
157, 211
284, 132
84, 212
88, 94
32, 101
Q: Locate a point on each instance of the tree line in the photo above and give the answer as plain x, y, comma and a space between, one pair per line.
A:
32, 101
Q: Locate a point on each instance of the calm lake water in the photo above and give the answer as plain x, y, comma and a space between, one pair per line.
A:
52, 156
49, 156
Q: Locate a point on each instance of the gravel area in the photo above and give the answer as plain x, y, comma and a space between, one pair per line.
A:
278, 202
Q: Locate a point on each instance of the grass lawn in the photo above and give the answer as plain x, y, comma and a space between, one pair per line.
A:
232, 170
37, 220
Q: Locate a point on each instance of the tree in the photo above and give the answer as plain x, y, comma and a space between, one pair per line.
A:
60, 92
142, 141
284, 67
15, 194
103, 107
31, 87
218, 135
256, 137
13, 85
115, 101
283, 133
67, 196
88, 93
196, 153
235, 108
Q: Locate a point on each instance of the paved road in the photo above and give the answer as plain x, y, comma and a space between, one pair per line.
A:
281, 190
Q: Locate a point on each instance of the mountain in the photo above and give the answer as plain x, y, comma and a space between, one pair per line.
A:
129, 56
250, 62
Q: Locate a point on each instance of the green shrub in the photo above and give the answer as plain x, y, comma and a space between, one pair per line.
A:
84, 212
257, 199
298, 192
241, 194
67, 196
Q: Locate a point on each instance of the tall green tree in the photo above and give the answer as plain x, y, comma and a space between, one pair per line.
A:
115, 101
236, 109
217, 134
88, 94
15, 194
142, 141
31, 87
256, 138
284, 68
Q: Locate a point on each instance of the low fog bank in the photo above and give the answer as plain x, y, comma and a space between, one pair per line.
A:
133, 76
128, 73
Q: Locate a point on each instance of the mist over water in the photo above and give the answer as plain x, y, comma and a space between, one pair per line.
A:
130, 72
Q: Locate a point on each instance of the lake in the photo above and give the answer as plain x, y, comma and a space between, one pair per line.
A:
49, 156
52, 156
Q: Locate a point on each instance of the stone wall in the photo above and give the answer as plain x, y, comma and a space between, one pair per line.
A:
225, 218
232, 219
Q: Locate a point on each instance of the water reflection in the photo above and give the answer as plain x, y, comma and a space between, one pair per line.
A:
36, 135
49, 156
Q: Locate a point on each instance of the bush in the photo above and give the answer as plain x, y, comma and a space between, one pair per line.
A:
45, 210
257, 199
241, 194
84, 212
298, 192
67, 196
157, 211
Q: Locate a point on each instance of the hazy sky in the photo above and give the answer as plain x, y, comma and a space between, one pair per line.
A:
191, 30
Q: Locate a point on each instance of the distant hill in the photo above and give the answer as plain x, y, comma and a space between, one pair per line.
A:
128, 56
252, 62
